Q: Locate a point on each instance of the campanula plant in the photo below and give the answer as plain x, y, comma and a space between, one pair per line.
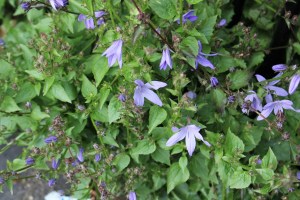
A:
93, 92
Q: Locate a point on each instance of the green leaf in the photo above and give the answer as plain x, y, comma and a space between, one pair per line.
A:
122, 160
100, 68
189, 46
10, 186
26, 93
183, 162
269, 160
219, 97
88, 89
59, 93
176, 176
239, 79
108, 139
240, 179
157, 116
161, 155
296, 47
48, 83
104, 92
256, 59
113, 110
6, 69
35, 74
165, 9
37, 114
207, 26
144, 147
194, 1
233, 144
18, 164
9, 105
266, 174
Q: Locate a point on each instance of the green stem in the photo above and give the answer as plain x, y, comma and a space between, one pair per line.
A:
101, 139
181, 11
110, 8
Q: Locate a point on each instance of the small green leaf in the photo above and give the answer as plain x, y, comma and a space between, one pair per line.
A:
99, 69
266, 174
48, 83
26, 93
157, 116
18, 164
9, 105
189, 46
59, 93
269, 160
176, 176
165, 9
35, 74
161, 155
183, 162
240, 179
104, 92
122, 160
194, 1
239, 79
144, 147
233, 144
113, 110
88, 89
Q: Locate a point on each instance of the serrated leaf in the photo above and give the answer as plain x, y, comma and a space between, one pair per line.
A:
113, 110
121, 161
157, 116
161, 155
176, 176
240, 179
233, 144
104, 92
239, 79
9, 105
269, 160
48, 83
144, 147
59, 93
99, 68
165, 9
194, 1
183, 162
88, 89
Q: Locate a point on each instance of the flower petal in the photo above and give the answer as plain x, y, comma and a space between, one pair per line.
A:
155, 85
190, 142
204, 62
294, 83
138, 97
278, 91
260, 78
265, 113
151, 96
175, 138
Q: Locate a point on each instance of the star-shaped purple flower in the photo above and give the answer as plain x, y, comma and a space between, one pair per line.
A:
277, 106
57, 4
189, 132
114, 53
200, 59
270, 87
165, 60
144, 91
254, 100
188, 16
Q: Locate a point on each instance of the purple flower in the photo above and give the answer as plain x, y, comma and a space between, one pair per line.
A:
144, 91
298, 175
214, 81
165, 60
291, 189
277, 106
89, 23
55, 163
294, 83
29, 161
231, 99
1, 180
51, 182
270, 87
100, 22
188, 16
191, 95
132, 195
99, 13
279, 67
114, 52
97, 157
259, 161
2, 43
51, 139
80, 155
25, 6
200, 59
255, 102
81, 17
222, 23
189, 132
122, 97
57, 4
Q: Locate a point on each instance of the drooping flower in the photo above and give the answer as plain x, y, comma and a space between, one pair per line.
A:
188, 16
97, 157
222, 23
132, 195
298, 175
89, 23
55, 163
81, 17
214, 82
294, 83
122, 97
51, 182
255, 102
144, 91
2, 43
191, 95
277, 106
165, 60
1, 180
25, 6
270, 87
51, 139
114, 53
57, 4
200, 59
29, 161
189, 132
231, 99
279, 67
99, 14
80, 155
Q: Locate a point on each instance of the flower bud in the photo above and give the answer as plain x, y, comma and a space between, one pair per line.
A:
279, 67
214, 81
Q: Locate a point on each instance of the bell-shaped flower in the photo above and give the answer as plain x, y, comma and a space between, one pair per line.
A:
222, 23
200, 59
144, 91
89, 23
165, 60
270, 87
294, 83
188, 16
277, 106
55, 163
189, 132
114, 53
132, 195
254, 100
214, 82
57, 4
80, 155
